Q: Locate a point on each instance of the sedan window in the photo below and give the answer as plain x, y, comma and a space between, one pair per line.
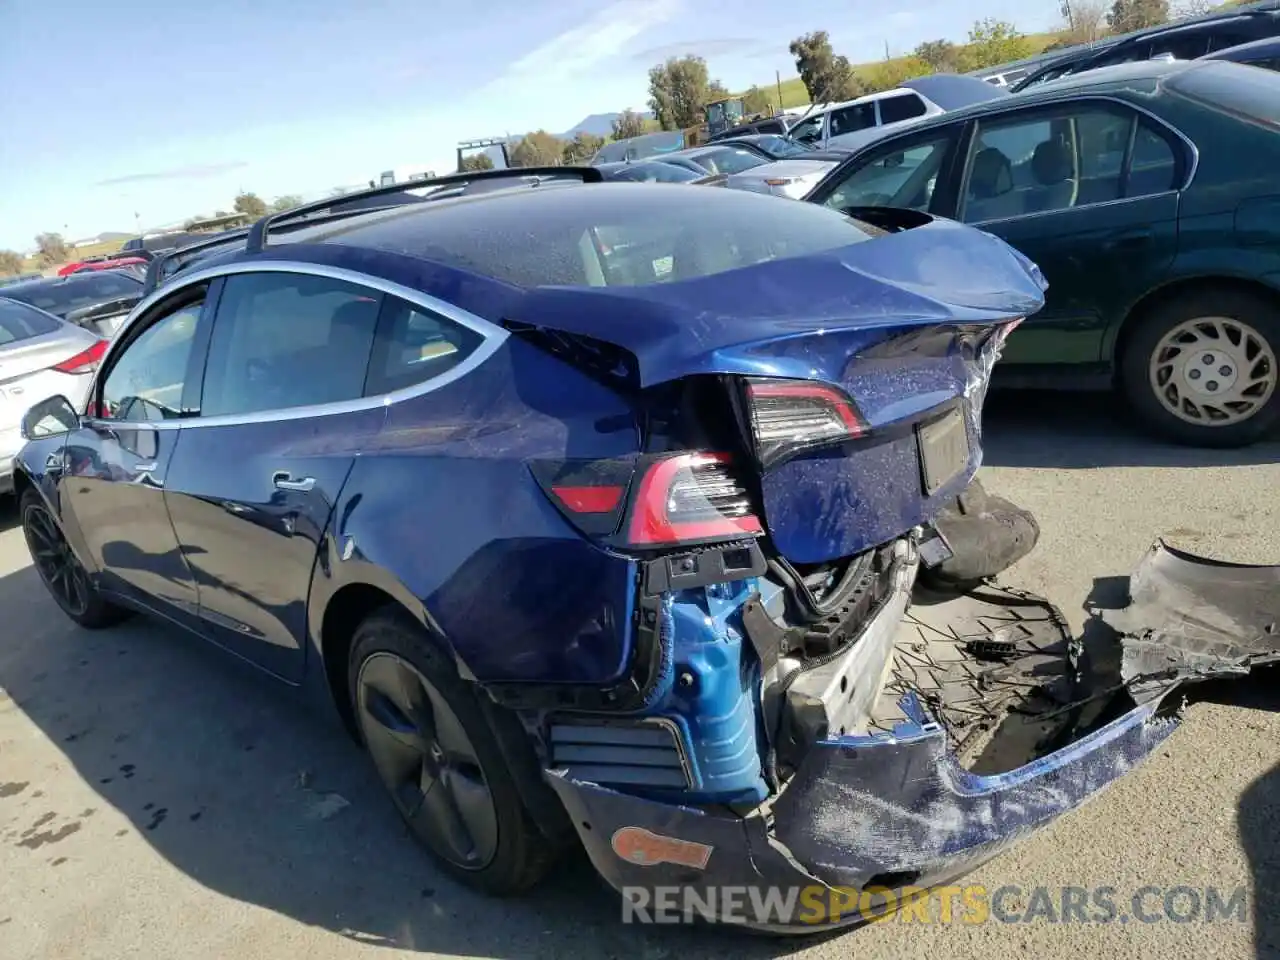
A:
1044, 163
895, 177
146, 381
285, 340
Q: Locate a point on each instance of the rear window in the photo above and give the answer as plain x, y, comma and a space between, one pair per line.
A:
616, 234
60, 297
1252, 95
20, 322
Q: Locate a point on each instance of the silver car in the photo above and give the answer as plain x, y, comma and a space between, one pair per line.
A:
40, 357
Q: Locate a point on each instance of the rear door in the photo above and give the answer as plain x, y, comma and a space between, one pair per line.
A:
1088, 191
281, 419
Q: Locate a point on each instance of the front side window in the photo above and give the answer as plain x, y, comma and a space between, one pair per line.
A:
904, 106
897, 177
1041, 163
284, 340
808, 130
145, 382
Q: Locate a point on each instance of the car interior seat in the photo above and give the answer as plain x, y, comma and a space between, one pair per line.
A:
1055, 188
991, 193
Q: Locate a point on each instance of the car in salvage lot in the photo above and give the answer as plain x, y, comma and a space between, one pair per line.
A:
97, 300
603, 535
1145, 192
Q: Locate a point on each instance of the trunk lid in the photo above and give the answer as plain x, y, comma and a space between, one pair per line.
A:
907, 324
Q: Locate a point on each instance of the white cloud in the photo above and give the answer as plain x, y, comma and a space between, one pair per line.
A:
601, 38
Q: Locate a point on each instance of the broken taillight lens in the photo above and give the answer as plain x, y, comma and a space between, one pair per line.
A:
790, 414
652, 501
690, 497
86, 361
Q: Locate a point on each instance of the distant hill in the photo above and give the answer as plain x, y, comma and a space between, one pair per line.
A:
598, 124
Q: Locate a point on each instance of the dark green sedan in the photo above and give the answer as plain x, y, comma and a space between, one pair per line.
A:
1149, 195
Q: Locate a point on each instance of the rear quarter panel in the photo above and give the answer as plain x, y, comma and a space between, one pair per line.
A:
442, 512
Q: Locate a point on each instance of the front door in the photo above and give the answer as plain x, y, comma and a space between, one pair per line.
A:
253, 483
1089, 193
117, 463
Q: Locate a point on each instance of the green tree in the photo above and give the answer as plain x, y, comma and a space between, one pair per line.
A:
627, 124
678, 90
537, 149
250, 204
993, 42
11, 263
942, 56
477, 161
1126, 15
52, 249
826, 76
581, 148
287, 202
756, 101
887, 75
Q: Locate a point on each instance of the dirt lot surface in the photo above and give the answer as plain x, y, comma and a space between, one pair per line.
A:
159, 801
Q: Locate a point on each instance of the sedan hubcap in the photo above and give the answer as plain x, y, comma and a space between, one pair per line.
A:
427, 761
55, 561
1213, 371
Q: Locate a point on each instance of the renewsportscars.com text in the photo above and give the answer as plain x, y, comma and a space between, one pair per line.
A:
972, 904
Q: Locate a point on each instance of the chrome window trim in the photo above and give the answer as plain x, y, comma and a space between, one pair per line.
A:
962, 196
493, 338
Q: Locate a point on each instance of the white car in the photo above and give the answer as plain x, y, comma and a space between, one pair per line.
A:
40, 357
845, 125
792, 177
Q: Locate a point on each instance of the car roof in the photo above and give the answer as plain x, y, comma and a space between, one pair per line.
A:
1246, 51
71, 279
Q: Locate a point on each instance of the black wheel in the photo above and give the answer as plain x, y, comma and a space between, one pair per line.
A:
63, 574
1202, 370
440, 759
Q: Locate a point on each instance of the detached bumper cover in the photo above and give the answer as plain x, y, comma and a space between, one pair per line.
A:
894, 810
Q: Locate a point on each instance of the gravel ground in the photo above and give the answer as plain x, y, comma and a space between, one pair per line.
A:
159, 801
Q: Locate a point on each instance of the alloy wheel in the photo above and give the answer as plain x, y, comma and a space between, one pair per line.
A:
55, 561
427, 761
1213, 371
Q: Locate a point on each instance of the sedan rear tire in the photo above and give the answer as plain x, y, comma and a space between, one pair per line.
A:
1202, 370
440, 759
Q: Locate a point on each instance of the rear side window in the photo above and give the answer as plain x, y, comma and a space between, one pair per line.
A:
860, 116
901, 107
285, 340
414, 345
20, 322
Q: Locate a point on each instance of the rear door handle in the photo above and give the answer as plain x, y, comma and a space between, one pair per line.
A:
283, 481
1129, 241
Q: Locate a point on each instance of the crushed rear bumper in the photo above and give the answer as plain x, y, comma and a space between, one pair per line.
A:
904, 805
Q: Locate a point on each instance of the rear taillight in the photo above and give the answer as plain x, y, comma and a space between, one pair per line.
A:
652, 501
86, 361
690, 497
787, 415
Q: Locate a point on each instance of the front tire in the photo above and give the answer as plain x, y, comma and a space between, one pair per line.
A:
440, 759
1202, 370
61, 570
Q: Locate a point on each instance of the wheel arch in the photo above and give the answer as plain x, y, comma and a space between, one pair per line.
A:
1173, 290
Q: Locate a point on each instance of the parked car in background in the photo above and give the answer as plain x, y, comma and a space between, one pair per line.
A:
791, 178
1185, 40
150, 244
1260, 53
40, 357
717, 159
766, 125
99, 301
20, 278
771, 146
108, 262
651, 171
640, 148
1146, 194
845, 125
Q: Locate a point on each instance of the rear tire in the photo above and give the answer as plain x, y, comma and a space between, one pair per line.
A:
440, 759
63, 574
1202, 370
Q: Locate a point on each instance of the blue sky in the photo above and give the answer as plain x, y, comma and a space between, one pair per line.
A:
168, 108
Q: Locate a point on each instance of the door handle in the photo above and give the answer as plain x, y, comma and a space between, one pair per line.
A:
1129, 241
283, 481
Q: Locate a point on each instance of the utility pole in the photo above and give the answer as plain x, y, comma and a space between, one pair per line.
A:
886, 50
777, 76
